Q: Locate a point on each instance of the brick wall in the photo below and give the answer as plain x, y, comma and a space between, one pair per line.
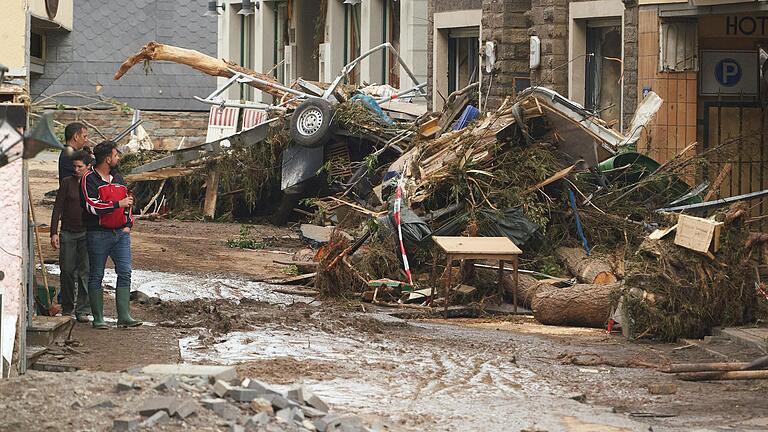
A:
675, 124
165, 128
505, 23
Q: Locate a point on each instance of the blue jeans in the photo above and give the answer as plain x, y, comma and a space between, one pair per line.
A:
115, 244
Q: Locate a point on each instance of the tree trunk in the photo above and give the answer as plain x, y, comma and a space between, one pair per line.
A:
196, 60
581, 305
528, 286
587, 269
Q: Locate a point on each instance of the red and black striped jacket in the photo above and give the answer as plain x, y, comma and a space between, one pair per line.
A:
100, 200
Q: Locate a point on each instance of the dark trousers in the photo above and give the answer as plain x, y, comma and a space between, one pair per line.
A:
73, 261
115, 244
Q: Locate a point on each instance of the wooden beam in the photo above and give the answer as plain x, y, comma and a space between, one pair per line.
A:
718, 181
211, 193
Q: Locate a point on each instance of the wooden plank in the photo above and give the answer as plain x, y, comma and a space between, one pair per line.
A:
662, 232
477, 246
559, 175
211, 193
293, 280
696, 233
715, 186
297, 263
160, 174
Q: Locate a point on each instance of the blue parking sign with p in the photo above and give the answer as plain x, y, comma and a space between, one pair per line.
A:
728, 72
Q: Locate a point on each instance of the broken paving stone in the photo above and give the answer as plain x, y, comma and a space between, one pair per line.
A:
168, 383
662, 389
226, 410
278, 401
165, 403
328, 421
236, 428
260, 386
186, 409
290, 414
578, 397
308, 425
211, 402
124, 384
260, 405
157, 418
299, 394
206, 371
240, 394
103, 403
315, 402
312, 412
259, 419
126, 424
221, 388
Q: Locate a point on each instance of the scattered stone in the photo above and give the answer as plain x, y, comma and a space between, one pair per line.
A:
662, 389
240, 394
126, 424
278, 401
103, 403
260, 405
259, 419
226, 410
76, 404
186, 409
157, 418
163, 403
315, 402
578, 397
211, 402
312, 412
259, 386
299, 394
290, 414
210, 372
124, 384
328, 421
308, 425
221, 388
169, 383
236, 428
189, 388
351, 423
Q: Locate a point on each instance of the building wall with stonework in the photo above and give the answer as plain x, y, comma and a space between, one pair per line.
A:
166, 128
505, 23
438, 6
549, 21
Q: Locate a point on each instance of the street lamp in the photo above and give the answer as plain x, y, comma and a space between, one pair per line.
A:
248, 8
213, 8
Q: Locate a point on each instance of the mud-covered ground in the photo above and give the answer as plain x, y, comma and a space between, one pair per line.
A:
415, 375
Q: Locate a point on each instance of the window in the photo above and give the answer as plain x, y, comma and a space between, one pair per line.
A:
603, 69
679, 46
463, 51
37, 47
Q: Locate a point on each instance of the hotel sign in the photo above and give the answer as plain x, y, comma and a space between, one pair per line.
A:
743, 26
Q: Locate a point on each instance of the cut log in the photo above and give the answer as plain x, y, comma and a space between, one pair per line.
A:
587, 269
582, 305
528, 286
198, 61
719, 376
705, 367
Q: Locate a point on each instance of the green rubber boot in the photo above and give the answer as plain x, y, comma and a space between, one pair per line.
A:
96, 299
123, 301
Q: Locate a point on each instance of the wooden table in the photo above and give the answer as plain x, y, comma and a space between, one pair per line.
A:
489, 248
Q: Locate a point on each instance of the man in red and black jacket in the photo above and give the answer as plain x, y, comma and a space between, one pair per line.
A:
108, 220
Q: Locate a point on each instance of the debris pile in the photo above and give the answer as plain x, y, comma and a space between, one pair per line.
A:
178, 394
592, 217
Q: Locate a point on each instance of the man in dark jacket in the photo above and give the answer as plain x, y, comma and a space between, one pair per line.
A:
73, 255
108, 220
75, 137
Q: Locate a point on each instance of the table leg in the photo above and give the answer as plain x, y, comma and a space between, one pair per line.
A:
433, 279
501, 279
514, 285
447, 287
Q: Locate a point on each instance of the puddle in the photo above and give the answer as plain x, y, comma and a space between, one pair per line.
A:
177, 287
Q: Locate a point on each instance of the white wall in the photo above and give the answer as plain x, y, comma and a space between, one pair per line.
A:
413, 41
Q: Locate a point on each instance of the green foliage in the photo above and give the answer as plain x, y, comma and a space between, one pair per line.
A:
245, 240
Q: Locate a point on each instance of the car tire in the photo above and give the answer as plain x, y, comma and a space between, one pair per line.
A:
311, 122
